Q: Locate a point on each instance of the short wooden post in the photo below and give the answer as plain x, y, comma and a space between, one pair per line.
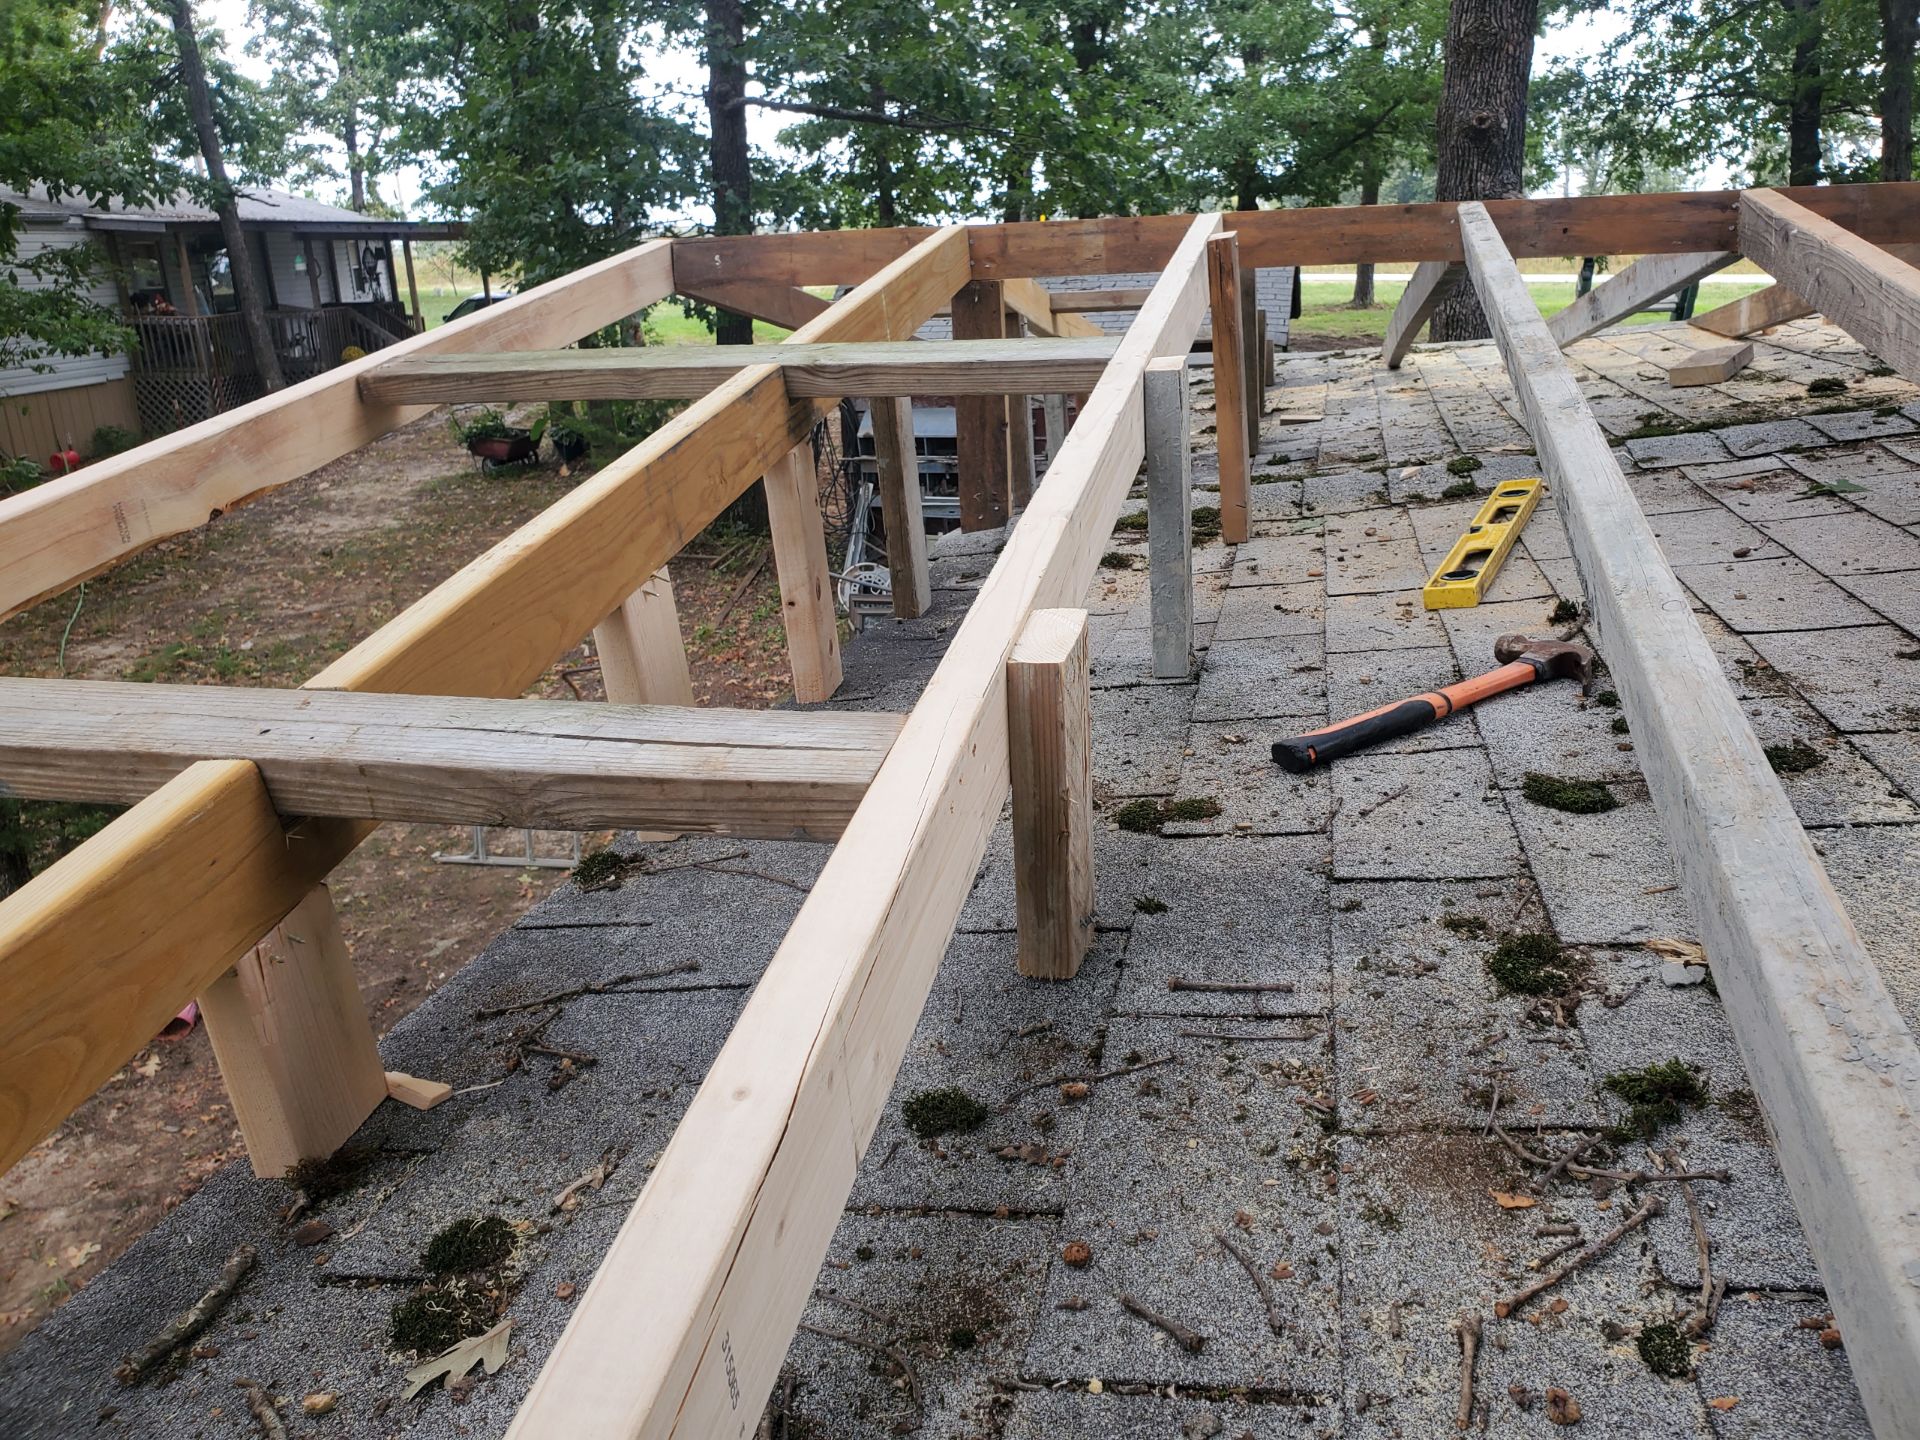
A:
293, 1041
1169, 517
1252, 323
1229, 385
806, 583
897, 464
1050, 738
1055, 407
1270, 375
981, 421
642, 659
1020, 448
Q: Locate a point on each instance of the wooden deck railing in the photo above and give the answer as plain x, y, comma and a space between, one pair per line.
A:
684, 1326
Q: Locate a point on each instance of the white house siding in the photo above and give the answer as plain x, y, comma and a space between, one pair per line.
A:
290, 284
64, 370
339, 282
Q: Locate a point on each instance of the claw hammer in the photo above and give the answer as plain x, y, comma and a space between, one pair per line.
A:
1523, 661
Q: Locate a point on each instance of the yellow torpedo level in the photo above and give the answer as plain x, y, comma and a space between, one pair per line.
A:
1476, 557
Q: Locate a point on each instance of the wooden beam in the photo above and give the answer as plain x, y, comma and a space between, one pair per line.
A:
1763, 309
1711, 365
643, 660
126, 929
291, 1035
718, 1258
1008, 366
1835, 1068
57, 534
787, 306
1649, 279
806, 580
1230, 398
1883, 213
896, 464
551, 765
1084, 302
1869, 293
1433, 281
1167, 415
1050, 745
1034, 303
981, 423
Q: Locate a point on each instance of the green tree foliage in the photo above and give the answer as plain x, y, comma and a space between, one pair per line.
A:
330, 66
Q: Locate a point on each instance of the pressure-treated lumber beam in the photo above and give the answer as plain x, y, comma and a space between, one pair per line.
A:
643, 660
1433, 281
1230, 396
57, 534
551, 765
1885, 213
1775, 305
1649, 279
718, 1257
896, 463
1086, 302
1835, 1068
1711, 364
981, 423
1034, 303
787, 306
806, 581
1009, 366
1050, 745
188, 881
1869, 293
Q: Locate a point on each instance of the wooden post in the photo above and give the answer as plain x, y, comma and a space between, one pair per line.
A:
1050, 742
1229, 385
981, 421
293, 1042
189, 300
806, 585
642, 659
1020, 448
413, 286
313, 270
897, 464
1251, 321
1056, 412
1169, 516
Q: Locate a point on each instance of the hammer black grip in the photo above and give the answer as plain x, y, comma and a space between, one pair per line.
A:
1317, 747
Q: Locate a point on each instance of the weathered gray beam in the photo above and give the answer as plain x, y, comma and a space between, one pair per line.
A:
1871, 294
1836, 1069
676, 372
1090, 302
1646, 281
1169, 516
552, 765
1433, 281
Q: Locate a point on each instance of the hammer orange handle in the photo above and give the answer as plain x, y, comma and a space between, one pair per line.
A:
1403, 717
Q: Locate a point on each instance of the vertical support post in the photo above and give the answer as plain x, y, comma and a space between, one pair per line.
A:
1169, 516
806, 583
312, 252
189, 301
1229, 385
897, 464
293, 1041
981, 421
1050, 737
1251, 323
413, 286
1020, 448
642, 659
1055, 407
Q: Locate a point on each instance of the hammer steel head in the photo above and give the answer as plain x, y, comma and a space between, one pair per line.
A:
1553, 659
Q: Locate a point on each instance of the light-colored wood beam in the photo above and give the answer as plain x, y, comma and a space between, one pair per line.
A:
1034, 303
1230, 397
1711, 365
1433, 281
1834, 1066
718, 1258
551, 765
806, 581
982, 423
643, 660
1009, 366
897, 477
1087, 302
1050, 745
1775, 305
1872, 295
57, 534
1647, 280
787, 306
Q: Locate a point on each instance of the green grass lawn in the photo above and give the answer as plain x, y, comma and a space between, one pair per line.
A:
668, 320
1323, 306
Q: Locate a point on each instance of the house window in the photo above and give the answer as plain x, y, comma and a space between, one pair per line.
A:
220, 292
146, 274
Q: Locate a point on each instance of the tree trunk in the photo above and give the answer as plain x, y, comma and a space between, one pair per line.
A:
727, 151
246, 285
1363, 271
1809, 94
1481, 130
1899, 32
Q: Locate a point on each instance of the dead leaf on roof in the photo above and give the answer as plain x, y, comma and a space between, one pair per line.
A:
489, 1350
1512, 1202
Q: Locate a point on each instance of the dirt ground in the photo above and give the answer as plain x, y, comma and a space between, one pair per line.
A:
268, 595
